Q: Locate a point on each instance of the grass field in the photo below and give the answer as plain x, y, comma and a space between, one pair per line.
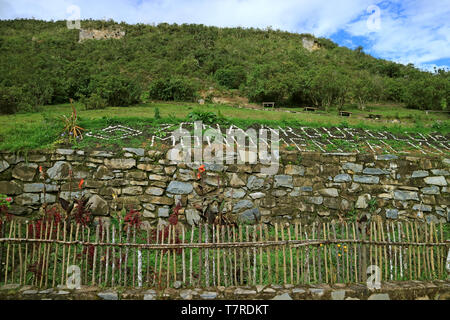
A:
22, 132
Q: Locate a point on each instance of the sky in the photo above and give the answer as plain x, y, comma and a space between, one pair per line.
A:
411, 31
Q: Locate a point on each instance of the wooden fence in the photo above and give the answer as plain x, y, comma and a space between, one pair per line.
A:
39, 253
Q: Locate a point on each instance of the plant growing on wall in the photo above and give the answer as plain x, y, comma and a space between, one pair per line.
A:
5, 203
81, 214
132, 219
165, 230
372, 205
173, 219
352, 214
212, 209
76, 209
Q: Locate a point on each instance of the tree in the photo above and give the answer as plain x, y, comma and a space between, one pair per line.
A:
173, 89
424, 94
9, 99
231, 77
269, 82
117, 90
359, 50
327, 87
393, 89
361, 89
94, 102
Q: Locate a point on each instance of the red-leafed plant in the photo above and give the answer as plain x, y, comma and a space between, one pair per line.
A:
133, 218
81, 214
53, 214
164, 232
5, 203
89, 250
52, 217
173, 219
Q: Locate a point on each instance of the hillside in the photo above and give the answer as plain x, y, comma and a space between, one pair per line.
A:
45, 63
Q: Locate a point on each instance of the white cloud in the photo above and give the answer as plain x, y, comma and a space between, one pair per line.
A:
416, 31
321, 18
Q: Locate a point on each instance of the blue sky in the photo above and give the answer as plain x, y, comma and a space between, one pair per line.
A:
412, 31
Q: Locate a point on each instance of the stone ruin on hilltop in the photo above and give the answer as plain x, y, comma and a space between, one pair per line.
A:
86, 34
310, 44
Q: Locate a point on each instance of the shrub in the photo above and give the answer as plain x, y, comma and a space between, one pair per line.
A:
117, 90
9, 99
173, 89
133, 218
204, 116
94, 102
426, 93
81, 214
19, 99
231, 77
157, 114
393, 89
71, 128
5, 201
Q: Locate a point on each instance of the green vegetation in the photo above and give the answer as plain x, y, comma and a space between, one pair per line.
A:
43, 63
159, 265
43, 66
231, 77
26, 131
172, 89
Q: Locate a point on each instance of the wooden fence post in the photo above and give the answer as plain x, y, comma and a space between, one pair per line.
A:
364, 253
414, 253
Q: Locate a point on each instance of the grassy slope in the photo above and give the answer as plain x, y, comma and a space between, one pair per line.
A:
47, 57
56, 61
41, 130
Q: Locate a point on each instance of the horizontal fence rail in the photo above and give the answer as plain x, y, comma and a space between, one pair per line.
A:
46, 253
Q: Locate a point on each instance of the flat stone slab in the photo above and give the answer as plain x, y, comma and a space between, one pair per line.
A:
136, 151
108, 295
338, 295
208, 295
366, 179
386, 157
284, 296
10, 286
240, 291
30, 292
317, 291
149, 297
379, 296
437, 181
178, 187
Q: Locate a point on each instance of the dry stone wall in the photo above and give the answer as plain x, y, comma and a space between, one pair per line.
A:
100, 34
308, 186
414, 290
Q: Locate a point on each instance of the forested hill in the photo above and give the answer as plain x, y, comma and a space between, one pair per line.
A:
44, 63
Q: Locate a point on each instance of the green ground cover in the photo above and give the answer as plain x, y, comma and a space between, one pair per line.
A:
37, 130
